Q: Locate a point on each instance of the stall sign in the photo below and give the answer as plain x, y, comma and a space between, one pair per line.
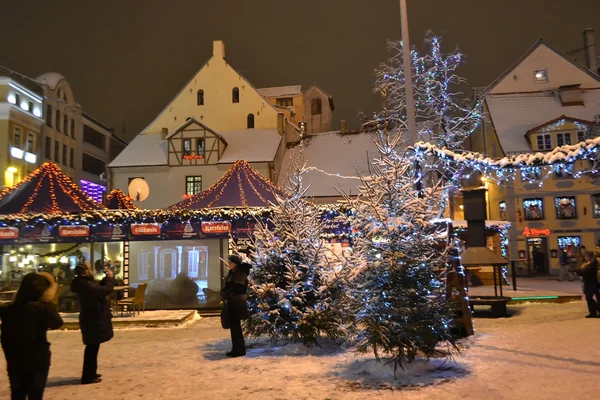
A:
145, 229
8, 233
216, 227
531, 232
74, 231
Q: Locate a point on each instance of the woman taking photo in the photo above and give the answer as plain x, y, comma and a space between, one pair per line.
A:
235, 293
25, 323
95, 318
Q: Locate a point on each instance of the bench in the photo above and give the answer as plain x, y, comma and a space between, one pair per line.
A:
498, 304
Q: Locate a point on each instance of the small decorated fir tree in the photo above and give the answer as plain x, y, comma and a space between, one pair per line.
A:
395, 291
293, 285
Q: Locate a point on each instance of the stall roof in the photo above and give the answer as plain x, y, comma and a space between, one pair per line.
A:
117, 200
241, 186
46, 190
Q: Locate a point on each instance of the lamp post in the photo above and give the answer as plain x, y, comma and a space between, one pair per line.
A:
410, 105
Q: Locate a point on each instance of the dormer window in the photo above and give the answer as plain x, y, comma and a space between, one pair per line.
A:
544, 142
563, 138
187, 147
235, 95
200, 147
540, 75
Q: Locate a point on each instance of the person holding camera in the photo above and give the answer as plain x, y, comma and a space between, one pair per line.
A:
95, 318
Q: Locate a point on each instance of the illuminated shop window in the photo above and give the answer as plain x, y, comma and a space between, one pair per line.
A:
533, 209
565, 207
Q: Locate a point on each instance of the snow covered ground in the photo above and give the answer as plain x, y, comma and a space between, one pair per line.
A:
545, 351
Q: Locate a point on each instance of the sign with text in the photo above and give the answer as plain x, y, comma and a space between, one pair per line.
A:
531, 232
9, 233
216, 227
106, 232
145, 229
74, 231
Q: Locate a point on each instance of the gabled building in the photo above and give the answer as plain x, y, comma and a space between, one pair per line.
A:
313, 107
217, 118
542, 101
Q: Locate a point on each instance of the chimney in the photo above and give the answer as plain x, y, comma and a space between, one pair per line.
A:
589, 44
343, 127
164, 132
218, 48
280, 123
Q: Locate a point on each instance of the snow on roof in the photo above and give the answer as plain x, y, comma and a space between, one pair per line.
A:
252, 145
281, 91
51, 79
514, 114
144, 150
336, 154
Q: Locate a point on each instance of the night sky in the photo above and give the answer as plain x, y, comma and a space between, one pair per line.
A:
125, 59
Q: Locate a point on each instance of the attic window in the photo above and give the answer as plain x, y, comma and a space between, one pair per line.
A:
315, 106
540, 75
200, 97
187, 147
235, 95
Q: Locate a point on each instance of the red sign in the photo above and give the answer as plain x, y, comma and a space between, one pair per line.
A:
9, 232
145, 229
536, 232
192, 157
216, 227
74, 231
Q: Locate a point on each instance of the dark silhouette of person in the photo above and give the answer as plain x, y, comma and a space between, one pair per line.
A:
235, 293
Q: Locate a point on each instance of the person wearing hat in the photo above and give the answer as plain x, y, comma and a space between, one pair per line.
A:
95, 318
25, 323
235, 293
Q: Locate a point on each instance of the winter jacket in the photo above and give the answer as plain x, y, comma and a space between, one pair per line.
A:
589, 272
235, 291
25, 323
95, 318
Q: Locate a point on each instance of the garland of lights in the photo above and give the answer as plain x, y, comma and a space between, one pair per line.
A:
51, 173
123, 201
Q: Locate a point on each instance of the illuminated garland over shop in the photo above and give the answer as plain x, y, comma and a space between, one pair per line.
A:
531, 165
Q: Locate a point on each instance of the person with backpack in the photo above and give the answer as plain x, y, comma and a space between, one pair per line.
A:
235, 295
25, 323
95, 317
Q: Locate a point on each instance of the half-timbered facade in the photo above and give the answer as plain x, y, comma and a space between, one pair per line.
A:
194, 144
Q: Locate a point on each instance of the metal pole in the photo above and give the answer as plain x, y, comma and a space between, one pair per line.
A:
410, 105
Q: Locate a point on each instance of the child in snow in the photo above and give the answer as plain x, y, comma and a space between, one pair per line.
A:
25, 323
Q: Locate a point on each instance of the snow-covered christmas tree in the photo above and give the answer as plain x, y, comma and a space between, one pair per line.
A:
395, 289
293, 286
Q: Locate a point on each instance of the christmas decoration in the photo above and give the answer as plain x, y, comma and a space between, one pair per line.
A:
395, 289
293, 285
117, 200
46, 190
241, 186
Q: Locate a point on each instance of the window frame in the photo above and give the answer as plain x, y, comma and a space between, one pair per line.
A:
64, 155
556, 204
545, 78
30, 144
561, 136
198, 142
235, 95
502, 208
192, 182
580, 136
57, 120
56, 151
72, 158
73, 128
48, 148
183, 150
535, 179
316, 107
200, 97
66, 124
49, 115
525, 218
250, 121
17, 136
596, 213
285, 101
545, 137
558, 240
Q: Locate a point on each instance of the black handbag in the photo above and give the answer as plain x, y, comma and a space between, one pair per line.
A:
225, 316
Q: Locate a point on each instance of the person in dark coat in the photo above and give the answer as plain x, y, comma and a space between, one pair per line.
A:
95, 318
25, 323
589, 274
235, 293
